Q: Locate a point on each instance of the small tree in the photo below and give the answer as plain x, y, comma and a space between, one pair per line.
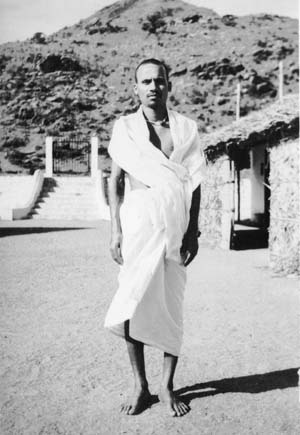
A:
39, 38
154, 23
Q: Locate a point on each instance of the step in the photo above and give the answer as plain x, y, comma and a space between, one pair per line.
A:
67, 198
69, 188
67, 218
65, 211
72, 185
71, 216
64, 195
85, 203
72, 194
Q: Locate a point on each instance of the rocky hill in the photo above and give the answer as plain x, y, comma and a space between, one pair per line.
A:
79, 79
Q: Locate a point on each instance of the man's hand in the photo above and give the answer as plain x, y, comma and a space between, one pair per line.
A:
189, 248
115, 247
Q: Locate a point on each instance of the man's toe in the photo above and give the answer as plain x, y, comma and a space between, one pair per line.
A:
183, 406
184, 409
130, 410
173, 411
177, 410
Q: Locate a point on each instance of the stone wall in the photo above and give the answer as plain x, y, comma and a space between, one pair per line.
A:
217, 204
284, 237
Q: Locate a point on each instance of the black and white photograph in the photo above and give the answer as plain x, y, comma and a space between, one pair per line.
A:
149, 217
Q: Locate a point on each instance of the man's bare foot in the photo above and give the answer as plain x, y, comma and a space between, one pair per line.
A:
176, 407
140, 400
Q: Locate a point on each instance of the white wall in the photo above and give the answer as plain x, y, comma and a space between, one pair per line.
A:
257, 180
245, 192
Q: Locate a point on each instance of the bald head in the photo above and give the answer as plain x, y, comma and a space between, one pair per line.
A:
152, 61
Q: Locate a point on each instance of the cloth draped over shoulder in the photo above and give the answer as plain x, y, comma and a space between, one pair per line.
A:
154, 221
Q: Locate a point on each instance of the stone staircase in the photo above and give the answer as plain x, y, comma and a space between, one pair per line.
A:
67, 198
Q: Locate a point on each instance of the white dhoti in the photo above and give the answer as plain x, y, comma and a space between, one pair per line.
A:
152, 278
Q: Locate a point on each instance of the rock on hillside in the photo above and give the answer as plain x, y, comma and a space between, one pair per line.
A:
80, 78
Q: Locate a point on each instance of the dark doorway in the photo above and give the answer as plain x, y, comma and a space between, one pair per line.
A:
249, 237
253, 232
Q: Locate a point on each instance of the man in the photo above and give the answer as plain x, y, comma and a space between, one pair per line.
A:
154, 230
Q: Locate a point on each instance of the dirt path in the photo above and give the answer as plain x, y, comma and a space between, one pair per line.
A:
61, 373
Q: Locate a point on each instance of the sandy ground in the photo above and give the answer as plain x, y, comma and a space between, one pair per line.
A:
61, 373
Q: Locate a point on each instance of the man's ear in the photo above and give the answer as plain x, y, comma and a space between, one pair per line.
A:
135, 90
169, 86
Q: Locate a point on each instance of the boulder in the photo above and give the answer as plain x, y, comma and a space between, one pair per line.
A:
4, 59
178, 72
229, 20
262, 55
98, 27
221, 100
16, 157
261, 44
14, 142
210, 70
191, 18
284, 51
55, 62
294, 70
83, 105
39, 38
261, 86
26, 112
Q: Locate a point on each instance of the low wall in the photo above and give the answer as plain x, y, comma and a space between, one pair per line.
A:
216, 209
21, 210
284, 237
18, 194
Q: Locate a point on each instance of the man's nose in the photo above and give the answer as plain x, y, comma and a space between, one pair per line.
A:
153, 84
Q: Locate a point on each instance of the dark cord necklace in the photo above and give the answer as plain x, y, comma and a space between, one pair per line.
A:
158, 123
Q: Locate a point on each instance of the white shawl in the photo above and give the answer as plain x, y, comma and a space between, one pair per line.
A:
174, 178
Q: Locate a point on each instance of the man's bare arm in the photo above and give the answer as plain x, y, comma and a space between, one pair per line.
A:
189, 247
116, 192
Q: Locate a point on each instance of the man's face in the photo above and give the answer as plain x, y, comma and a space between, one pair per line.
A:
152, 85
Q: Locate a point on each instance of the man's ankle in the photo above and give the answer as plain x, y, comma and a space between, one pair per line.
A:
166, 386
141, 385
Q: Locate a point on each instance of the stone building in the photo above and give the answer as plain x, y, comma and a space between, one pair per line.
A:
251, 191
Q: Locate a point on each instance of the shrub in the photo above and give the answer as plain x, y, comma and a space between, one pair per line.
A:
39, 38
154, 23
14, 142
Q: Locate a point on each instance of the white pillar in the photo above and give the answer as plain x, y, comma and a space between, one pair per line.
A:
227, 199
238, 101
94, 156
49, 157
280, 90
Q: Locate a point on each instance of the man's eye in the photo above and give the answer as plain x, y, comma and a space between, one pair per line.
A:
146, 82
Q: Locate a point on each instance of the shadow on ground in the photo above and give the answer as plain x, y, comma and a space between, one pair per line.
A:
18, 231
253, 384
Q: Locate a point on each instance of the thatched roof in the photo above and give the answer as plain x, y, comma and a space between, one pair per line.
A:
270, 125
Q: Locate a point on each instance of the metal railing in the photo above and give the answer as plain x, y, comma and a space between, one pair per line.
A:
71, 155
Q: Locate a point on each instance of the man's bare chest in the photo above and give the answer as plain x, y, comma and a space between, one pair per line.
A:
160, 137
